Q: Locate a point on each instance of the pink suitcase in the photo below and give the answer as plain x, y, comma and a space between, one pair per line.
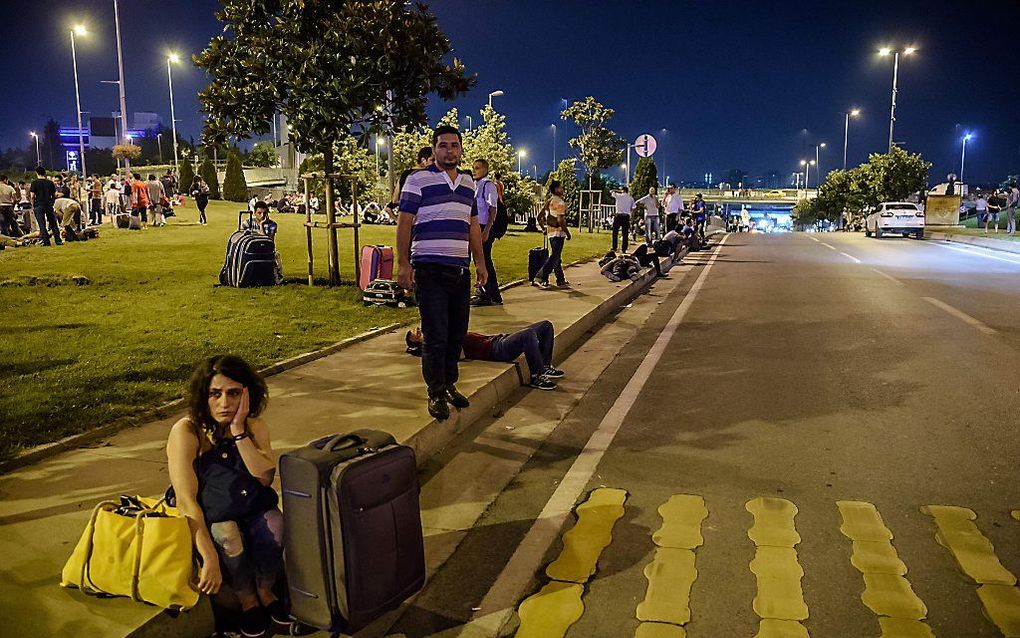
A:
376, 263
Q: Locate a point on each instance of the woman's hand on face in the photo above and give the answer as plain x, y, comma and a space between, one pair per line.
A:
209, 577
237, 424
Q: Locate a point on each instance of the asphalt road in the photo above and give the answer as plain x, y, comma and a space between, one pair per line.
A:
812, 368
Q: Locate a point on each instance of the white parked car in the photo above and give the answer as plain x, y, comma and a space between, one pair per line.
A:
895, 218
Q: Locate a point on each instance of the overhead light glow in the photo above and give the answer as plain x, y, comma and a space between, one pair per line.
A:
80, 29
885, 51
909, 50
173, 57
855, 112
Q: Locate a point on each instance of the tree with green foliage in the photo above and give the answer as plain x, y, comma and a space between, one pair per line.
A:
262, 155
353, 161
566, 174
885, 177
596, 146
646, 175
337, 68
187, 174
208, 172
235, 188
407, 141
491, 142
807, 213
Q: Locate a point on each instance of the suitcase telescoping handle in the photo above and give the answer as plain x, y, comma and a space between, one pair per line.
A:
241, 214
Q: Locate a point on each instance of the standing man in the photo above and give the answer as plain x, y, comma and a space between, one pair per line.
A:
140, 199
673, 204
700, 215
44, 193
95, 201
437, 236
981, 208
1012, 203
651, 204
487, 203
621, 220
8, 198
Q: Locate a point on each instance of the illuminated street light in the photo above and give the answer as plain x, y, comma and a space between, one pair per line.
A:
521, 154
78, 30
492, 95
554, 146
963, 154
885, 51
38, 156
818, 161
846, 132
173, 58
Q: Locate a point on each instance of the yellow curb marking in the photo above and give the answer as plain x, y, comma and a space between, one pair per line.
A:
773, 522
772, 628
659, 630
779, 594
886, 592
670, 577
904, 628
550, 612
592, 532
1002, 605
1016, 514
779, 597
682, 516
974, 553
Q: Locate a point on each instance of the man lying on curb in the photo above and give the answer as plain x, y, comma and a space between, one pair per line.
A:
535, 342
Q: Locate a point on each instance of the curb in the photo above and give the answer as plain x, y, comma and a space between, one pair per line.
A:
1011, 247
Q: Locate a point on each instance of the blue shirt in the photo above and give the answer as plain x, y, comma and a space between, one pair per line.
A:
486, 199
442, 210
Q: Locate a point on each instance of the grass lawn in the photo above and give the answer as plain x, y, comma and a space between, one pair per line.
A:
972, 229
78, 356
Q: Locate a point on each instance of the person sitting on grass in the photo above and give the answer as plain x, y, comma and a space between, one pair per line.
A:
261, 222
535, 342
222, 466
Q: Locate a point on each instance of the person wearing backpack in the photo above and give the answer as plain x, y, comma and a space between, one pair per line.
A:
487, 201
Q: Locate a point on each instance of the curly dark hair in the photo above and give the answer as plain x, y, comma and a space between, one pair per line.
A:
232, 367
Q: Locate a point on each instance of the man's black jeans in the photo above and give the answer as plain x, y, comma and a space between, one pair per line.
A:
621, 223
535, 342
443, 294
41, 217
491, 291
9, 223
552, 264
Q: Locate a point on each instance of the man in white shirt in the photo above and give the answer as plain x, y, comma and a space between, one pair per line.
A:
621, 220
487, 202
651, 204
673, 204
981, 208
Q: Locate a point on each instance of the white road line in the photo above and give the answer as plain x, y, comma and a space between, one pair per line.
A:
829, 246
887, 276
971, 251
961, 315
850, 257
813, 239
529, 554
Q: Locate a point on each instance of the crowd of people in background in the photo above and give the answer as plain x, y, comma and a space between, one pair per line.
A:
994, 204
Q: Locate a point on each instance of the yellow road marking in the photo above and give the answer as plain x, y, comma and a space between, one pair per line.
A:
659, 630
974, 553
886, 592
773, 522
670, 577
1016, 514
682, 516
551, 612
904, 628
592, 532
772, 628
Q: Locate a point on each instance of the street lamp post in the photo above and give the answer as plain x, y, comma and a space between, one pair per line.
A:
470, 122
494, 94
521, 154
378, 143
895, 77
159, 142
818, 162
38, 155
963, 154
554, 146
174, 58
80, 30
123, 100
846, 132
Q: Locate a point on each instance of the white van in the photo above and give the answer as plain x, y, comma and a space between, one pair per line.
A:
889, 218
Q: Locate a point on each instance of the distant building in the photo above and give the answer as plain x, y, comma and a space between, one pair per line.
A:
103, 132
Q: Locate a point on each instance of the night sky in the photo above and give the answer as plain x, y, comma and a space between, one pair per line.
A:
735, 84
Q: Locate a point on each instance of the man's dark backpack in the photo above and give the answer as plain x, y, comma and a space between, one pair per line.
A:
502, 220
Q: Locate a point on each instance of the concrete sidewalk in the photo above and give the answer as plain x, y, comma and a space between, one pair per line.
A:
373, 384
989, 242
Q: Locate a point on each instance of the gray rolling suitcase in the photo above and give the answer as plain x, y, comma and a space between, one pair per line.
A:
353, 544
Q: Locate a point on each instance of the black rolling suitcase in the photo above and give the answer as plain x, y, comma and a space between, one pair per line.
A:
353, 544
537, 258
250, 259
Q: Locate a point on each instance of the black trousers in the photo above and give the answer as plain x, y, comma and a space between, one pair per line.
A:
443, 294
43, 215
671, 220
492, 284
9, 223
621, 223
552, 264
535, 342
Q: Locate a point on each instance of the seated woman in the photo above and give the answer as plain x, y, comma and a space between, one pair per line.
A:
221, 465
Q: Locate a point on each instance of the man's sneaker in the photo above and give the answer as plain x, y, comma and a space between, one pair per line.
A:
438, 408
563, 284
480, 301
457, 399
254, 622
544, 285
541, 383
552, 373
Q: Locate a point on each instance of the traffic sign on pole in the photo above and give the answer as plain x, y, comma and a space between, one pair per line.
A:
644, 145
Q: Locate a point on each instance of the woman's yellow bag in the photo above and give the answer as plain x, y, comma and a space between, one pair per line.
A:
139, 548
